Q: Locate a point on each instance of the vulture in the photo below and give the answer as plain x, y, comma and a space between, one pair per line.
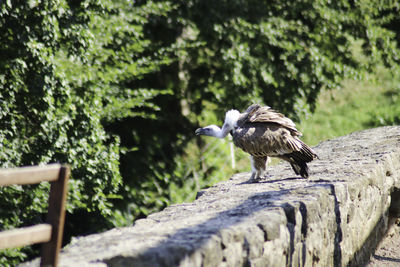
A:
263, 132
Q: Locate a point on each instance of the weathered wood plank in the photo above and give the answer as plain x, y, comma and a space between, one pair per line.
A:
56, 217
29, 175
25, 236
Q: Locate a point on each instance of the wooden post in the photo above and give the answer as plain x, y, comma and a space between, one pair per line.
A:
56, 217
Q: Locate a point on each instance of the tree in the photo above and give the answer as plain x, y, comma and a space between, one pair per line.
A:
44, 119
66, 70
228, 54
280, 53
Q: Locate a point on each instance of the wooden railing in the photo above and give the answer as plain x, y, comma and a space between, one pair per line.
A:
51, 232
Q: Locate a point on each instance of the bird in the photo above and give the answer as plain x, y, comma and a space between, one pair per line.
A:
263, 132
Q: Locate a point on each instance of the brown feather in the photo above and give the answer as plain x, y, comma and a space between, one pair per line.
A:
256, 113
267, 139
263, 132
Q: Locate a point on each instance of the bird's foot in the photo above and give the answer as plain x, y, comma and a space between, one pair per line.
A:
259, 176
254, 178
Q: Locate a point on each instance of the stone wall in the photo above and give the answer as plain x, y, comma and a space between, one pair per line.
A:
333, 218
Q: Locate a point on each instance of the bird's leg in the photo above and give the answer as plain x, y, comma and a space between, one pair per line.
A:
263, 168
255, 176
258, 168
254, 172
263, 173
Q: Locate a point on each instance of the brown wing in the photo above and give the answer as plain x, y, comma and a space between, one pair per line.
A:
267, 139
256, 113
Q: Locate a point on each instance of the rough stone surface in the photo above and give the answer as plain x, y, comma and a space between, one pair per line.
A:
388, 252
335, 218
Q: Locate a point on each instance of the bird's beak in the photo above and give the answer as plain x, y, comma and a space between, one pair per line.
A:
199, 131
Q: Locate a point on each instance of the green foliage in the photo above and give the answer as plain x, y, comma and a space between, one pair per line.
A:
388, 112
227, 55
66, 71
340, 112
279, 52
44, 119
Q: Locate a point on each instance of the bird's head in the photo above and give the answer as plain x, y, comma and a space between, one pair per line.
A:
231, 118
211, 130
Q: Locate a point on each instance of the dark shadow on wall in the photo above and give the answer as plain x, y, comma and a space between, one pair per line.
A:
185, 242
362, 256
337, 253
387, 259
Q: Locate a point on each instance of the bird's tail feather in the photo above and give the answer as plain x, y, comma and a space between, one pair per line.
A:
300, 168
298, 159
305, 154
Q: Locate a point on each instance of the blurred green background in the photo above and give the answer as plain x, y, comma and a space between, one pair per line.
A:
117, 88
